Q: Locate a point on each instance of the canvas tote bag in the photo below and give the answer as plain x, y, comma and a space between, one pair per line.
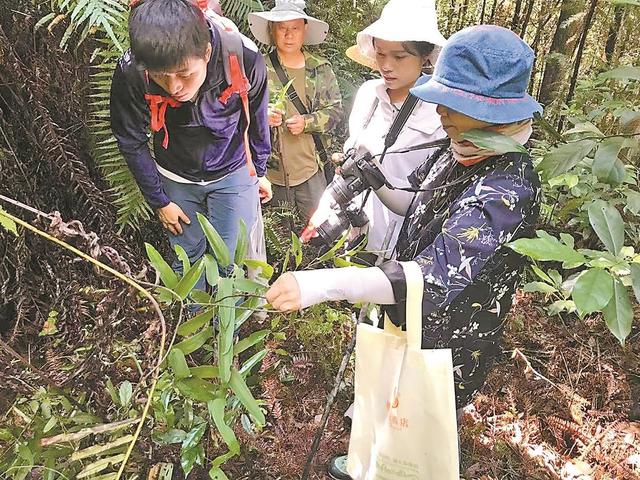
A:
404, 420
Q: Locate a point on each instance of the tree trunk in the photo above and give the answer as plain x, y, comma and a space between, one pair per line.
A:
527, 17
562, 49
535, 45
516, 16
586, 25
451, 15
462, 16
484, 6
493, 11
612, 37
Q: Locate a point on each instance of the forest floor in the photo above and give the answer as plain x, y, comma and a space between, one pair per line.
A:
563, 403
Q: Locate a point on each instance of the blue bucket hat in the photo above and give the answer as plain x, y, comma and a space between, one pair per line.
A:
483, 72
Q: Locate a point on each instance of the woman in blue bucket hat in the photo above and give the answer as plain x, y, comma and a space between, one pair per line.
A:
469, 201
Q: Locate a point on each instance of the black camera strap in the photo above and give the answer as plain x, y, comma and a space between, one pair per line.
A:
297, 102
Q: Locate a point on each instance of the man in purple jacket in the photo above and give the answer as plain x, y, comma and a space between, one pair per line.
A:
210, 153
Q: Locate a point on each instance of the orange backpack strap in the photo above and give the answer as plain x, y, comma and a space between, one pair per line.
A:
158, 108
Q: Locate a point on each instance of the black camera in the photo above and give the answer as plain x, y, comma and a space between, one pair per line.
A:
337, 210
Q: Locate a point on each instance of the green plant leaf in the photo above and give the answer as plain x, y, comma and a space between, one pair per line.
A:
7, 223
266, 270
197, 389
249, 286
635, 279
190, 457
618, 314
606, 164
178, 363
211, 269
541, 287
194, 436
183, 257
593, 290
548, 248
622, 73
249, 341
241, 390
540, 273
246, 309
220, 250
226, 314
196, 323
50, 424
125, 392
193, 343
493, 141
296, 247
608, 225
242, 244
189, 280
216, 410
633, 202
564, 157
331, 252
560, 306
100, 465
171, 436
205, 371
252, 361
216, 473
113, 393
167, 275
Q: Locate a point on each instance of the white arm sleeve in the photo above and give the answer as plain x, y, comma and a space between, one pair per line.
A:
351, 283
398, 201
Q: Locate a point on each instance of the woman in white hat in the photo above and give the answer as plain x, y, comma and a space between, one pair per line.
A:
402, 44
313, 107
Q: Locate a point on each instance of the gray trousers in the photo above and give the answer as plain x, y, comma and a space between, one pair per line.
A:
303, 197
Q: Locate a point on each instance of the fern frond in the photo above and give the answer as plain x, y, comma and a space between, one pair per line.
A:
238, 11
87, 17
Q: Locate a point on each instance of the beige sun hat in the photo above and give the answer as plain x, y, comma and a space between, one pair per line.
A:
403, 21
285, 10
354, 53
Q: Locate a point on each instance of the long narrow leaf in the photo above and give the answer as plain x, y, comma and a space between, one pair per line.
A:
193, 343
196, 323
236, 382
191, 277
167, 275
220, 250
227, 327
216, 410
250, 341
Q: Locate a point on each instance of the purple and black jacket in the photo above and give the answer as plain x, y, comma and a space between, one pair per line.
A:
205, 136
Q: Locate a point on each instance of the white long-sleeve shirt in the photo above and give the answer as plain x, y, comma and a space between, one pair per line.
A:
367, 131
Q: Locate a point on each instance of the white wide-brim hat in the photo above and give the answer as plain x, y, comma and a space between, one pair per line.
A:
285, 10
403, 21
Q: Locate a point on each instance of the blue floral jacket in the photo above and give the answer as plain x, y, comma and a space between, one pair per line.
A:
456, 230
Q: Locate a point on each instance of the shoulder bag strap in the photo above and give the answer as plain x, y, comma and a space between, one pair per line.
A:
295, 99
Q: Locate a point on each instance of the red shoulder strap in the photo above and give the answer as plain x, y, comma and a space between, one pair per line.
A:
158, 107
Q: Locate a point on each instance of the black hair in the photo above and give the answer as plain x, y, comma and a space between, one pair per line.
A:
164, 34
419, 49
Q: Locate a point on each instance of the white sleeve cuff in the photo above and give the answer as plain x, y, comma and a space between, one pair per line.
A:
351, 283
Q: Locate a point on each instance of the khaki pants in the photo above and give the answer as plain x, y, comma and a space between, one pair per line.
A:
304, 197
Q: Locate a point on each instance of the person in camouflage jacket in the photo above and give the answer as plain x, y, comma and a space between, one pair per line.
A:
300, 141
